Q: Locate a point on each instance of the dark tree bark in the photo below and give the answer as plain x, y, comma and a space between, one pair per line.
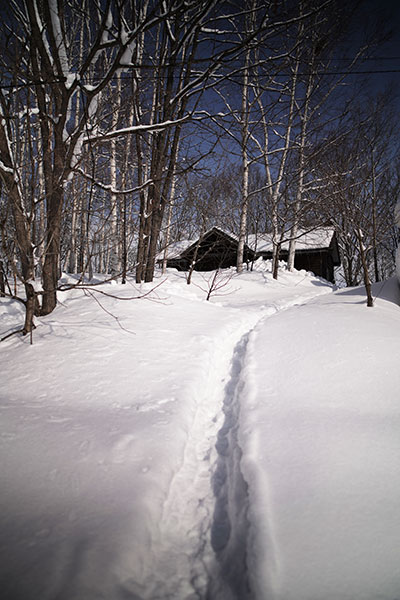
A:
367, 280
2, 281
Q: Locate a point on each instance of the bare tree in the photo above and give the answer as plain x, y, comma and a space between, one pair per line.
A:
59, 84
361, 190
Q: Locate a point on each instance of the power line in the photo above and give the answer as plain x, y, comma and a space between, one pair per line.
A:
370, 58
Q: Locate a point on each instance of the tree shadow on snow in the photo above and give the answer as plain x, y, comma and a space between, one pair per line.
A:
388, 290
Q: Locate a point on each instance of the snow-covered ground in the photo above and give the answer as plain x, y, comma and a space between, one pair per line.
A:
173, 448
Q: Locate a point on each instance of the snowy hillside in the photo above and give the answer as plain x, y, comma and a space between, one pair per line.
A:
174, 448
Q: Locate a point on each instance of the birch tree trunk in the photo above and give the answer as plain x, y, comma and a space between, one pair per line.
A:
282, 165
245, 160
168, 224
301, 152
374, 221
275, 160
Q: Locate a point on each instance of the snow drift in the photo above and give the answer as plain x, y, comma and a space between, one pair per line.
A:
245, 447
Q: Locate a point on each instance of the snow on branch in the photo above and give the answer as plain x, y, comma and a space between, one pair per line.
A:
109, 188
135, 129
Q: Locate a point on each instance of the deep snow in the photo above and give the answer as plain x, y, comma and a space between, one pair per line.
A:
321, 442
173, 448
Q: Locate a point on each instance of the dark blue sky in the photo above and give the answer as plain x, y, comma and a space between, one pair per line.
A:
388, 61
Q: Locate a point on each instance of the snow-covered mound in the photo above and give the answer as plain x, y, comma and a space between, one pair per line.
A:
156, 448
320, 433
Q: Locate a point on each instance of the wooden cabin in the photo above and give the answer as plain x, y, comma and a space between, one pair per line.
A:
316, 251
216, 249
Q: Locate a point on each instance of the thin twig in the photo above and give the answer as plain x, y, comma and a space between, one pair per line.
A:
109, 295
10, 334
108, 312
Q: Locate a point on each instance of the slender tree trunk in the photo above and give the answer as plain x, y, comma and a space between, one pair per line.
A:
275, 262
30, 309
2, 281
194, 259
304, 121
114, 266
367, 280
51, 267
244, 151
161, 192
168, 226
124, 256
300, 183
82, 235
143, 201
374, 226
72, 263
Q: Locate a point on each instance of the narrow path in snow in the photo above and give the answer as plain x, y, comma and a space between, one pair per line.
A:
229, 529
229, 525
184, 545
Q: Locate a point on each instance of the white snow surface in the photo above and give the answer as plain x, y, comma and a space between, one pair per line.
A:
173, 448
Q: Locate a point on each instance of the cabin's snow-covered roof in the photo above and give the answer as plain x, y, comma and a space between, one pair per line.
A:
305, 240
175, 249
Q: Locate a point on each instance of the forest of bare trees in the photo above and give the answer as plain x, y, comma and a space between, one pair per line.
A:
127, 124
